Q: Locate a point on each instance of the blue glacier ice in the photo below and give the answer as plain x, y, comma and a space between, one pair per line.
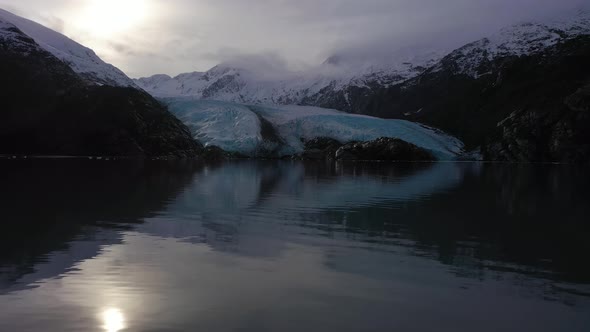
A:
237, 128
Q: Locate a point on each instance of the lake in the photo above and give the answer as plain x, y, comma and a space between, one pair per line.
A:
291, 246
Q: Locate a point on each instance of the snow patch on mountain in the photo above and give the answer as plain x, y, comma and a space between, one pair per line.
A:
9, 33
80, 58
6, 27
238, 128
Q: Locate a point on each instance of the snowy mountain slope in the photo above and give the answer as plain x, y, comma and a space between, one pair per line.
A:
239, 128
81, 59
336, 84
48, 109
518, 40
10, 34
229, 83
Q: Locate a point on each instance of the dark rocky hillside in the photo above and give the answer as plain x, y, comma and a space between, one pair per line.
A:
47, 109
527, 108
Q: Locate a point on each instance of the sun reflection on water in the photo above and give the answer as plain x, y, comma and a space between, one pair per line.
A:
113, 320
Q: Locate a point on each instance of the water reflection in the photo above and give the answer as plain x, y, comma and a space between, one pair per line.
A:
257, 246
113, 320
53, 210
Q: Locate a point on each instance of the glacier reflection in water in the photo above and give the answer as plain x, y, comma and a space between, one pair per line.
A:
267, 246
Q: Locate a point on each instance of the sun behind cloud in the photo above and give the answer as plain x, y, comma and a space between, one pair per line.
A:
107, 18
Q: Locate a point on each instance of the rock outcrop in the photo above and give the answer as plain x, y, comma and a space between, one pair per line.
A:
538, 134
321, 148
387, 149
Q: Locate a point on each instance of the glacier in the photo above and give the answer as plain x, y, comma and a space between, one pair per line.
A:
232, 127
240, 128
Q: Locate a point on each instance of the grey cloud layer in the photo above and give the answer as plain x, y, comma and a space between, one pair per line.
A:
200, 33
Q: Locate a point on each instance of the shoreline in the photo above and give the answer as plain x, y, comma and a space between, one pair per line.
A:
288, 158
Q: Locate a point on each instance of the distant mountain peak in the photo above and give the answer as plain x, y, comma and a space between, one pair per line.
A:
333, 60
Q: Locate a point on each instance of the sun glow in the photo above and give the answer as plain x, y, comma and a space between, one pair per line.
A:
113, 320
105, 18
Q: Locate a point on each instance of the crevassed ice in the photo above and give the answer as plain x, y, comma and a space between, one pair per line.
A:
237, 128
232, 127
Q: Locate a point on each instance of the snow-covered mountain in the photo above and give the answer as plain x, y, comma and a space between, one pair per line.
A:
282, 130
81, 59
334, 84
519, 40
49, 109
517, 95
229, 83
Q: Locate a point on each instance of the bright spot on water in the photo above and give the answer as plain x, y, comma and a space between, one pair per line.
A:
113, 320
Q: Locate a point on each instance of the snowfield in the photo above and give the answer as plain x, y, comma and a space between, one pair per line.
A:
238, 128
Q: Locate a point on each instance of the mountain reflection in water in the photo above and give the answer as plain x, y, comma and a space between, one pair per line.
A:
269, 245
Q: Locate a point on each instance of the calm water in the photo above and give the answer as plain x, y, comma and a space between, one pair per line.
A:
281, 246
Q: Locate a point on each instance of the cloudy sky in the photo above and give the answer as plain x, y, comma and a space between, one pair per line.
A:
145, 37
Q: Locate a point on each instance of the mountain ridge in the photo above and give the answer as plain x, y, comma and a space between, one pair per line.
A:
81, 59
49, 109
331, 86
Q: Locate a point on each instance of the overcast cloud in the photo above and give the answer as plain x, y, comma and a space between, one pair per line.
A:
175, 36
